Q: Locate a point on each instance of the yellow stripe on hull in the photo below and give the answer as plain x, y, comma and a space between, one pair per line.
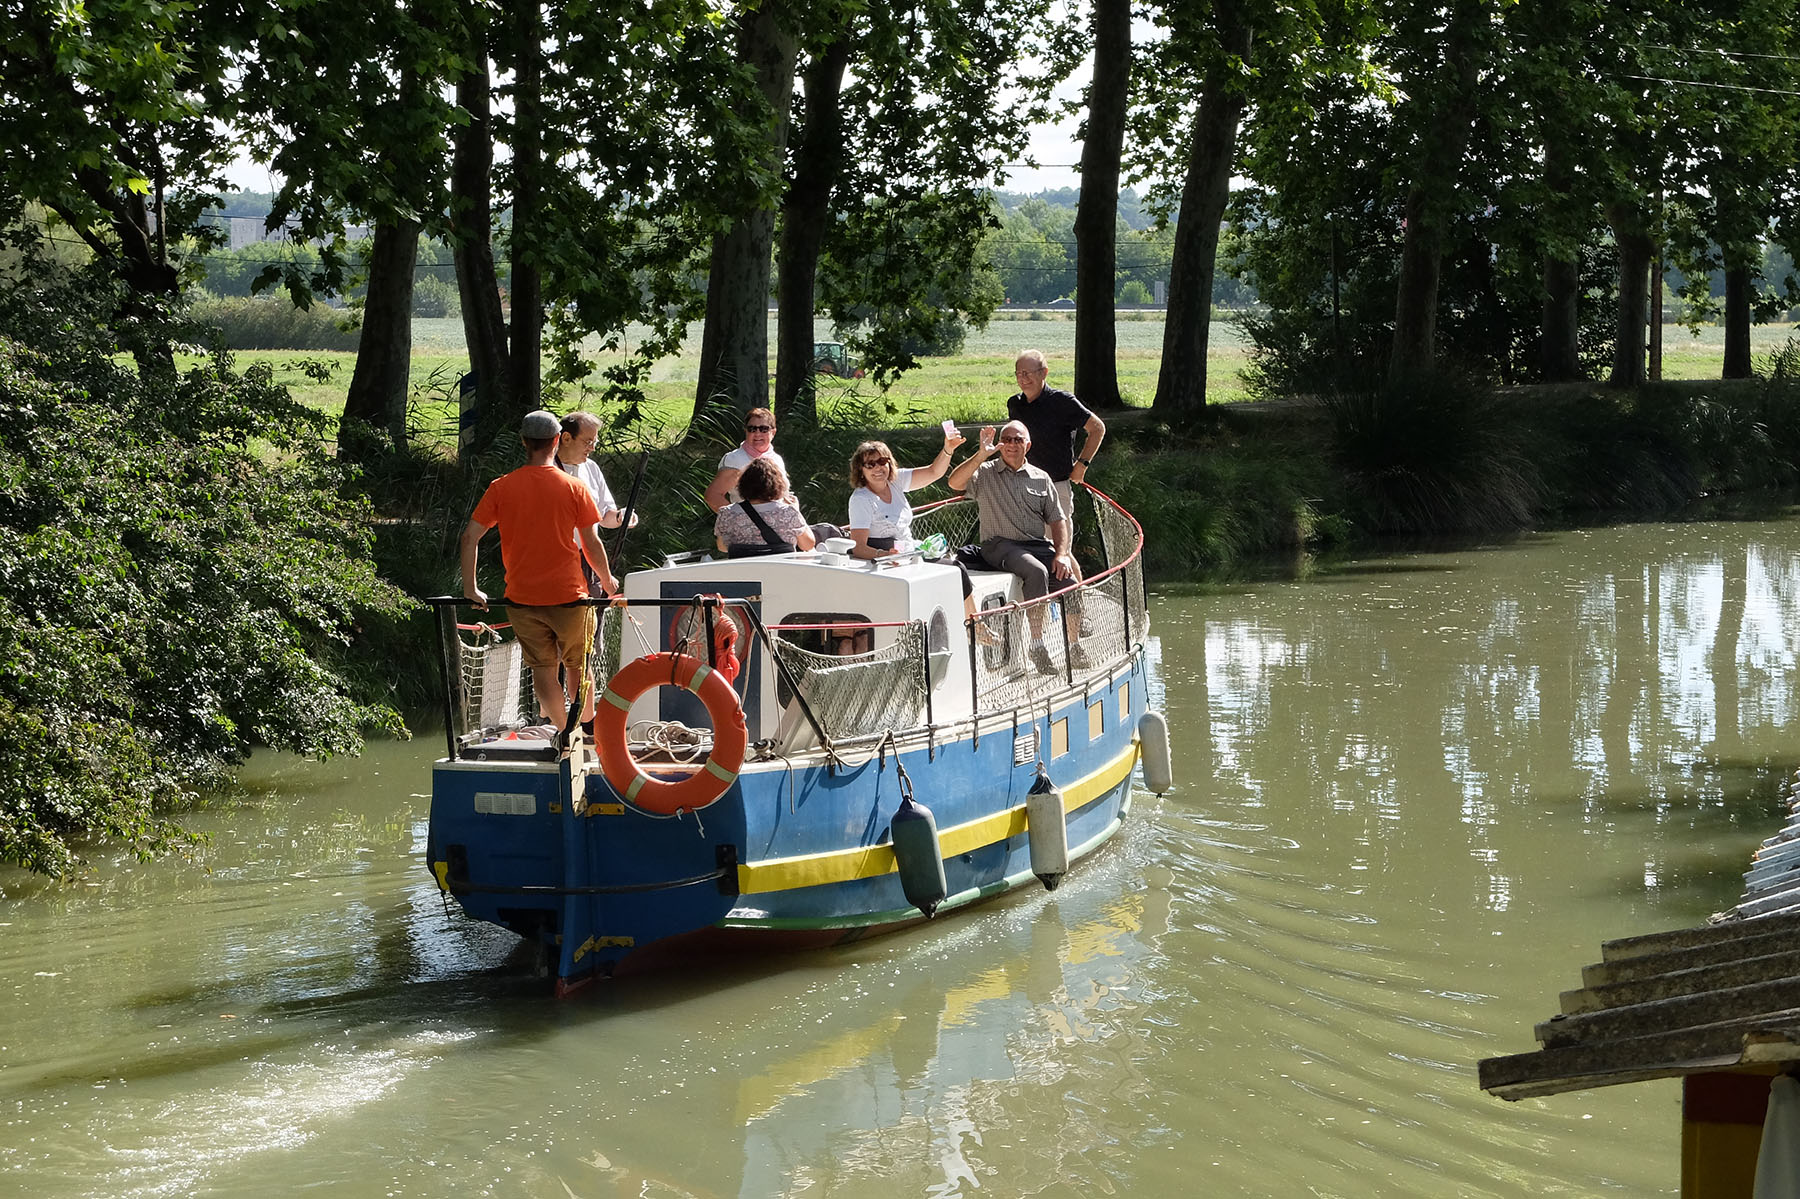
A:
871, 861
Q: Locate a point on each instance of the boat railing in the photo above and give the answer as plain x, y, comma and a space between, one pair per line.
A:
1105, 614
955, 518
488, 690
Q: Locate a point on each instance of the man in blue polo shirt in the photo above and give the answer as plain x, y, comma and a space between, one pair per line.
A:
1053, 417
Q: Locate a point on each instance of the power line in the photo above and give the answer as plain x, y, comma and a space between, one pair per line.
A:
1724, 87
1721, 52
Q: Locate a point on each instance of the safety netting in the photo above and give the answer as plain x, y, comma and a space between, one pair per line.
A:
860, 694
1083, 631
494, 693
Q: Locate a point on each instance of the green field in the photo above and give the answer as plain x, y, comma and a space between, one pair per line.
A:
972, 386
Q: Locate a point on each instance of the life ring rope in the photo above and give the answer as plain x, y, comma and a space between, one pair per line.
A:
731, 735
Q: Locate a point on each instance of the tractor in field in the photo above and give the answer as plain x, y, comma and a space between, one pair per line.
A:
830, 358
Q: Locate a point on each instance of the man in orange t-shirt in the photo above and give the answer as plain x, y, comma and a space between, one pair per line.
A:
542, 512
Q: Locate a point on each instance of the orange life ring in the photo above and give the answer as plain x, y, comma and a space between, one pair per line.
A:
730, 734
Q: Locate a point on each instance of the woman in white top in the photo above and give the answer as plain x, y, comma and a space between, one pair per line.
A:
880, 518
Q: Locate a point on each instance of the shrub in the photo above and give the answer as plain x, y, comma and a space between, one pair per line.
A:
1436, 452
182, 580
273, 323
435, 297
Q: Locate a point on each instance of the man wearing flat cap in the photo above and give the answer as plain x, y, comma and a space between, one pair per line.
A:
543, 514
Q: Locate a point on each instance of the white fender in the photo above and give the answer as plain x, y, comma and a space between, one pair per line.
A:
1048, 830
1153, 738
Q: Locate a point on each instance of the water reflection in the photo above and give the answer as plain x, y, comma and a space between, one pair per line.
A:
1414, 796
1637, 695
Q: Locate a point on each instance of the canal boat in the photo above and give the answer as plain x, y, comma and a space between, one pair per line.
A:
796, 748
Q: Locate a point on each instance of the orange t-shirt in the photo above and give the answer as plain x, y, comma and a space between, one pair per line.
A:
540, 511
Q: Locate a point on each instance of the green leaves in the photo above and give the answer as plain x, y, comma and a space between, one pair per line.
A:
181, 579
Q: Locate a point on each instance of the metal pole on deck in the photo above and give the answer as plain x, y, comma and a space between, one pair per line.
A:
637, 482
441, 605
925, 678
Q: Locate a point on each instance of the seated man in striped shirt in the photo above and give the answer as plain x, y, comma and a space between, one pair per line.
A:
1023, 531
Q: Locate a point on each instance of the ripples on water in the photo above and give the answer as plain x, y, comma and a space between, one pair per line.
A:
1413, 798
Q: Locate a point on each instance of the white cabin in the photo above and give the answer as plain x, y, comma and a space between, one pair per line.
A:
816, 588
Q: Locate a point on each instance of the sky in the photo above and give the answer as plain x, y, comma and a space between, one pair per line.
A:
1058, 149
1054, 146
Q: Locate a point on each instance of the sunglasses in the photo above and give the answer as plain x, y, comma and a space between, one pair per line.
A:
1015, 439
876, 461
759, 428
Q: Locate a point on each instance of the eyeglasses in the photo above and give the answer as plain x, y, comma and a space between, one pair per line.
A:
1015, 439
877, 461
759, 428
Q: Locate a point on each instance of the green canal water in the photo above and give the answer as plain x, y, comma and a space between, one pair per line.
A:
1414, 795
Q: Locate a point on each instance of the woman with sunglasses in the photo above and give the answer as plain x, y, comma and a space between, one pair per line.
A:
759, 442
880, 518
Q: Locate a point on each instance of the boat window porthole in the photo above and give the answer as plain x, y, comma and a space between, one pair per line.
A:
940, 631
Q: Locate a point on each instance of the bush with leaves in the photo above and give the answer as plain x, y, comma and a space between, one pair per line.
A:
435, 297
180, 580
1436, 452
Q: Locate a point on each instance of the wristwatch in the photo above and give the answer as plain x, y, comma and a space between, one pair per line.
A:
1085, 461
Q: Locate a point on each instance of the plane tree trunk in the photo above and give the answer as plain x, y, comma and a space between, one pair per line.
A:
734, 348
1212, 148
1097, 210
818, 162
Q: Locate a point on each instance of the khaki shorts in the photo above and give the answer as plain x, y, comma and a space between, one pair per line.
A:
548, 636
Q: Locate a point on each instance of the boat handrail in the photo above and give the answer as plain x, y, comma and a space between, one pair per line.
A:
444, 607
1086, 582
841, 624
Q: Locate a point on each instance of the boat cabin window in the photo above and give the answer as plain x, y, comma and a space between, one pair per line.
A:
939, 634
840, 642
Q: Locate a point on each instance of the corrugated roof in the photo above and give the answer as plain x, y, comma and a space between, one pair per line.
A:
1724, 994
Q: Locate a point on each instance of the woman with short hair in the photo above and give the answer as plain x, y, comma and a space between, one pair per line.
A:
880, 518
766, 520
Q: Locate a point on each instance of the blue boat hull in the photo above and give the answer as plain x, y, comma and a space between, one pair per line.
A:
791, 852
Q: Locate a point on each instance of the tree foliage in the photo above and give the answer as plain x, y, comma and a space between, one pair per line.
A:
180, 580
104, 108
